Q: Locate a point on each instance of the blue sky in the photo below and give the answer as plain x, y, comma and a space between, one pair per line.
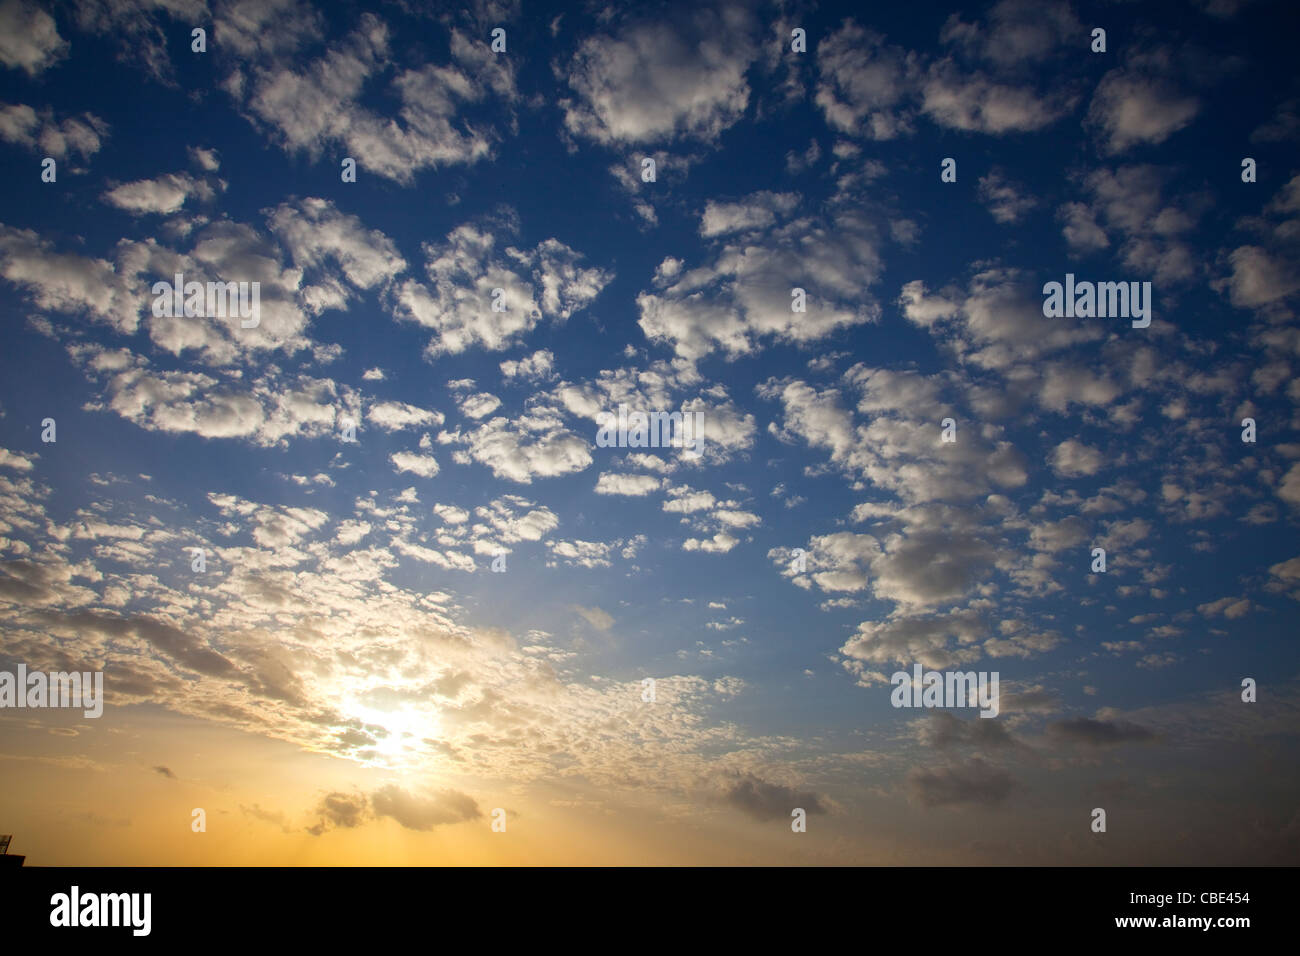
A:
348, 610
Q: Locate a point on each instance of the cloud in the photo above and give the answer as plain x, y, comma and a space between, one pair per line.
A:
479, 405
140, 41
1230, 607
316, 234
1073, 459
744, 297
942, 730
929, 640
531, 368
972, 782
635, 486
599, 619
864, 82
395, 416
720, 543
579, 553
42, 133
1099, 733
162, 195
975, 102
529, 447
29, 38
1259, 277
339, 809
17, 460
424, 813
265, 411
765, 801
320, 106
757, 211
655, 81
1005, 201
426, 466
462, 306
1132, 107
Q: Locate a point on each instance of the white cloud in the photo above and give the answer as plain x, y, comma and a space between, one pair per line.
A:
40, 132
529, 447
757, 211
321, 106
163, 194
395, 416
465, 270
657, 80
1074, 459
630, 485
423, 465
29, 38
1132, 107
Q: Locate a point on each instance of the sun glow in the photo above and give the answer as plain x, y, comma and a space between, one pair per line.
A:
400, 733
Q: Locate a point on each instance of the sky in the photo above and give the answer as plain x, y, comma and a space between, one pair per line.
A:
675, 652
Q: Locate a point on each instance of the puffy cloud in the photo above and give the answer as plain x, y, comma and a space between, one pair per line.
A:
531, 368
864, 83
660, 79
1134, 106
41, 132
744, 295
1015, 32
1099, 733
870, 88
163, 195
929, 640
424, 813
29, 38
1005, 200
316, 233
635, 486
547, 281
339, 809
1230, 607
978, 103
16, 460
764, 800
1073, 459
971, 782
321, 105
529, 447
1259, 277
579, 553
720, 543
395, 416
478, 405
266, 411
426, 466
757, 211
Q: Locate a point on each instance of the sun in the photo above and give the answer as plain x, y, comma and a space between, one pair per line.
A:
406, 731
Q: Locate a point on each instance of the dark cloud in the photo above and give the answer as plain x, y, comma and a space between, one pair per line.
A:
942, 730
412, 811
974, 782
340, 810
1032, 700
770, 801
182, 647
424, 813
1099, 733
266, 816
